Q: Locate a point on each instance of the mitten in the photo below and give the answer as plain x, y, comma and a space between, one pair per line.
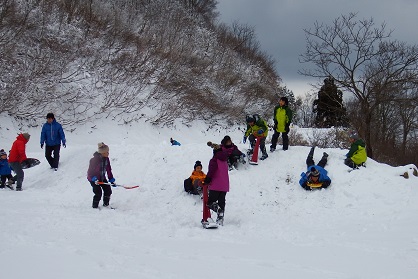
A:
207, 180
260, 131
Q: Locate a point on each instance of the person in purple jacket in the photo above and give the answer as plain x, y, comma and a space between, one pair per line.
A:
234, 154
218, 180
98, 168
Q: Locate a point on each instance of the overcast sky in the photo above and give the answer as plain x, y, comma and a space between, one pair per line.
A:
279, 26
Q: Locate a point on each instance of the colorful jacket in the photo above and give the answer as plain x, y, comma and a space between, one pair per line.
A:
323, 176
259, 124
18, 151
98, 167
52, 134
282, 118
218, 172
4, 167
357, 152
197, 175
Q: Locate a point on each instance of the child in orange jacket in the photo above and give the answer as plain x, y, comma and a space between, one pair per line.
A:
192, 184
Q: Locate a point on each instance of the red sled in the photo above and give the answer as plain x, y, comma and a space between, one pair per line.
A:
207, 221
254, 158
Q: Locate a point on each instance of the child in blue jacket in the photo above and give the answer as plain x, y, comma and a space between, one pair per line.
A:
5, 171
316, 176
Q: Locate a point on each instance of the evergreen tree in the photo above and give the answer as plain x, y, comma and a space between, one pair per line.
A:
329, 107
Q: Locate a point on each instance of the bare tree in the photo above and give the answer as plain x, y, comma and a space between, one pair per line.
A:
363, 61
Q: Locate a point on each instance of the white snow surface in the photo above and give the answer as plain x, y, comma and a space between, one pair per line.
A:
364, 226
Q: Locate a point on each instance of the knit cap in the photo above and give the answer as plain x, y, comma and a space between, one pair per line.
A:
197, 164
314, 172
26, 136
2, 152
103, 148
215, 146
354, 136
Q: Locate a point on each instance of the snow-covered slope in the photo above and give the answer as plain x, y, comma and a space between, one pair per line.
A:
363, 226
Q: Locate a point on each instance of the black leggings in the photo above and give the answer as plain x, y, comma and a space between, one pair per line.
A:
218, 196
97, 190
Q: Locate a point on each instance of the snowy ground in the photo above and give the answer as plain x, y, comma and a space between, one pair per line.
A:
364, 226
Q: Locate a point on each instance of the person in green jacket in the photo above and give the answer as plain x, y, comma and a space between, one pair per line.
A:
282, 118
357, 154
256, 127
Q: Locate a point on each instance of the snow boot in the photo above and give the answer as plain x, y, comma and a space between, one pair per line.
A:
95, 204
220, 218
265, 156
214, 206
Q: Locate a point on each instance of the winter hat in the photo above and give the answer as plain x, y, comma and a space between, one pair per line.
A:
215, 146
314, 172
250, 118
198, 163
50, 115
354, 136
26, 136
225, 140
286, 101
2, 152
103, 148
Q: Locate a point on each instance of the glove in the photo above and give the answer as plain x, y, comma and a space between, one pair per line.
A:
260, 131
244, 140
42, 146
95, 180
287, 127
65, 145
112, 180
207, 180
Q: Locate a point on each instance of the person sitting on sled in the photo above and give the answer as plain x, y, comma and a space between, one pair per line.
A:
234, 154
192, 185
316, 176
256, 127
357, 154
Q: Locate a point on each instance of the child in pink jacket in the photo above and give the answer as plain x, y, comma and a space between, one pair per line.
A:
218, 180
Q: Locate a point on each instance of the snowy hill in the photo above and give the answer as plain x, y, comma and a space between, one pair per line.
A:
363, 226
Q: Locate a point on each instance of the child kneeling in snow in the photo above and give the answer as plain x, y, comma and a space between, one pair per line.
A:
98, 168
316, 176
218, 181
192, 185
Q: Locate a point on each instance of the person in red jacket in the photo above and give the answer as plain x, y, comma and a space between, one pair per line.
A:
17, 156
98, 168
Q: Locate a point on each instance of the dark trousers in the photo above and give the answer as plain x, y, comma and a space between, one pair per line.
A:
311, 162
275, 138
3, 179
262, 143
217, 196
20, 175
53, 161
98, 190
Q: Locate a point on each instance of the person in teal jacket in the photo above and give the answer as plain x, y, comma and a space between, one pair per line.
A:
256, 127
357, 155
282, 118
52, 135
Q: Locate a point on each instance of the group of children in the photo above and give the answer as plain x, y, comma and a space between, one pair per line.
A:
227, 155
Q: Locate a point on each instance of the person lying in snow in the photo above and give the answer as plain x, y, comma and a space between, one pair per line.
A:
174, 142
316, 176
